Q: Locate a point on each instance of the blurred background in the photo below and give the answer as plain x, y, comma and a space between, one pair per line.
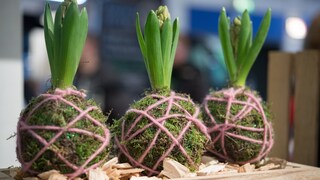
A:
112, 68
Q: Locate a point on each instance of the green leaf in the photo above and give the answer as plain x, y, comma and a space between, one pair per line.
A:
176, 31
166, 43
140, 37
154, 53
225, 39
244, 38
255, 48
142, 43
68, 45
49, 38
57, 46
75, 27
65, 39
249, 43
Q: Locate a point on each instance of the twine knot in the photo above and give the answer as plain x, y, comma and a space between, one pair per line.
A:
68, 91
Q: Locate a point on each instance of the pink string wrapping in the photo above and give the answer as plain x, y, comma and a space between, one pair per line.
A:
127, 135
59, 96
252, 103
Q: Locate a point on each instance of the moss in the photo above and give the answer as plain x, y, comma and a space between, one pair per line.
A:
237, 150
193, 141
75, 147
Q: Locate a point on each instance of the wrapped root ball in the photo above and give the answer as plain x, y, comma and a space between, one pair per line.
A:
239, 125
161, 125
62, 130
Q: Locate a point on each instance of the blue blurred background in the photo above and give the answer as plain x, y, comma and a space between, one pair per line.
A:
112, 68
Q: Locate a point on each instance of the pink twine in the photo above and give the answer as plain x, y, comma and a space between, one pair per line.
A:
159, 122
59, 96
252, 103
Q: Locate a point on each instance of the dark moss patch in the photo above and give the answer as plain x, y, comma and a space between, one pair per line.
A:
75, 147
193, 141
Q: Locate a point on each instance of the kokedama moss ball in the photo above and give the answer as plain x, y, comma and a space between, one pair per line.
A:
162, 124
239, 124
62, 130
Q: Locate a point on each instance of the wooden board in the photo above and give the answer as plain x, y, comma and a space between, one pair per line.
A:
279, 82
306, 107
292, 172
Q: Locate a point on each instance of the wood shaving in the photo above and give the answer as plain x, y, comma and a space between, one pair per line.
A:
209, 160
47, 174
145, 178
98, 173
31, 178
211, 169
113, 170
110, 163
173, 169
268, 167
122, 166
247, 168
57, 176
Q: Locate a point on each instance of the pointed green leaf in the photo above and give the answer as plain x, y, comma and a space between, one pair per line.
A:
154, 53
73, 39
69, 28
175, 40
244, 37
57, 46
224, 35
142, 43
166, 43
49, 38
256, 46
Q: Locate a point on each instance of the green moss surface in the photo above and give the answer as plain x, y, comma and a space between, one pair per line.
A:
193, 141
237, 150
75, 147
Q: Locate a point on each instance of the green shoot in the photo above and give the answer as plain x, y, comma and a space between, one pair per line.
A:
224, 33
239, 50
158, 46
65, 39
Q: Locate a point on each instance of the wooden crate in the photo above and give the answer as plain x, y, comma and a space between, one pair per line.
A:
293, 171
294, 77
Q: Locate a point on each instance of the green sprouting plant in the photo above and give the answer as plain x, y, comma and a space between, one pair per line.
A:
240, 50
237, 143
138, 135
65, 39
158, 46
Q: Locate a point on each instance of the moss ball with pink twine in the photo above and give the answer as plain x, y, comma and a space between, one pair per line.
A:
61, 130
238, 121
163, 123
239, 125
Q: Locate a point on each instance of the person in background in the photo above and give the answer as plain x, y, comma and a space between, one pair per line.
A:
186, 77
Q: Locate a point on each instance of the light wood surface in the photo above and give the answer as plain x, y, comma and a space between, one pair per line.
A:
293, 171
296, 75
306, 107
279, 82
